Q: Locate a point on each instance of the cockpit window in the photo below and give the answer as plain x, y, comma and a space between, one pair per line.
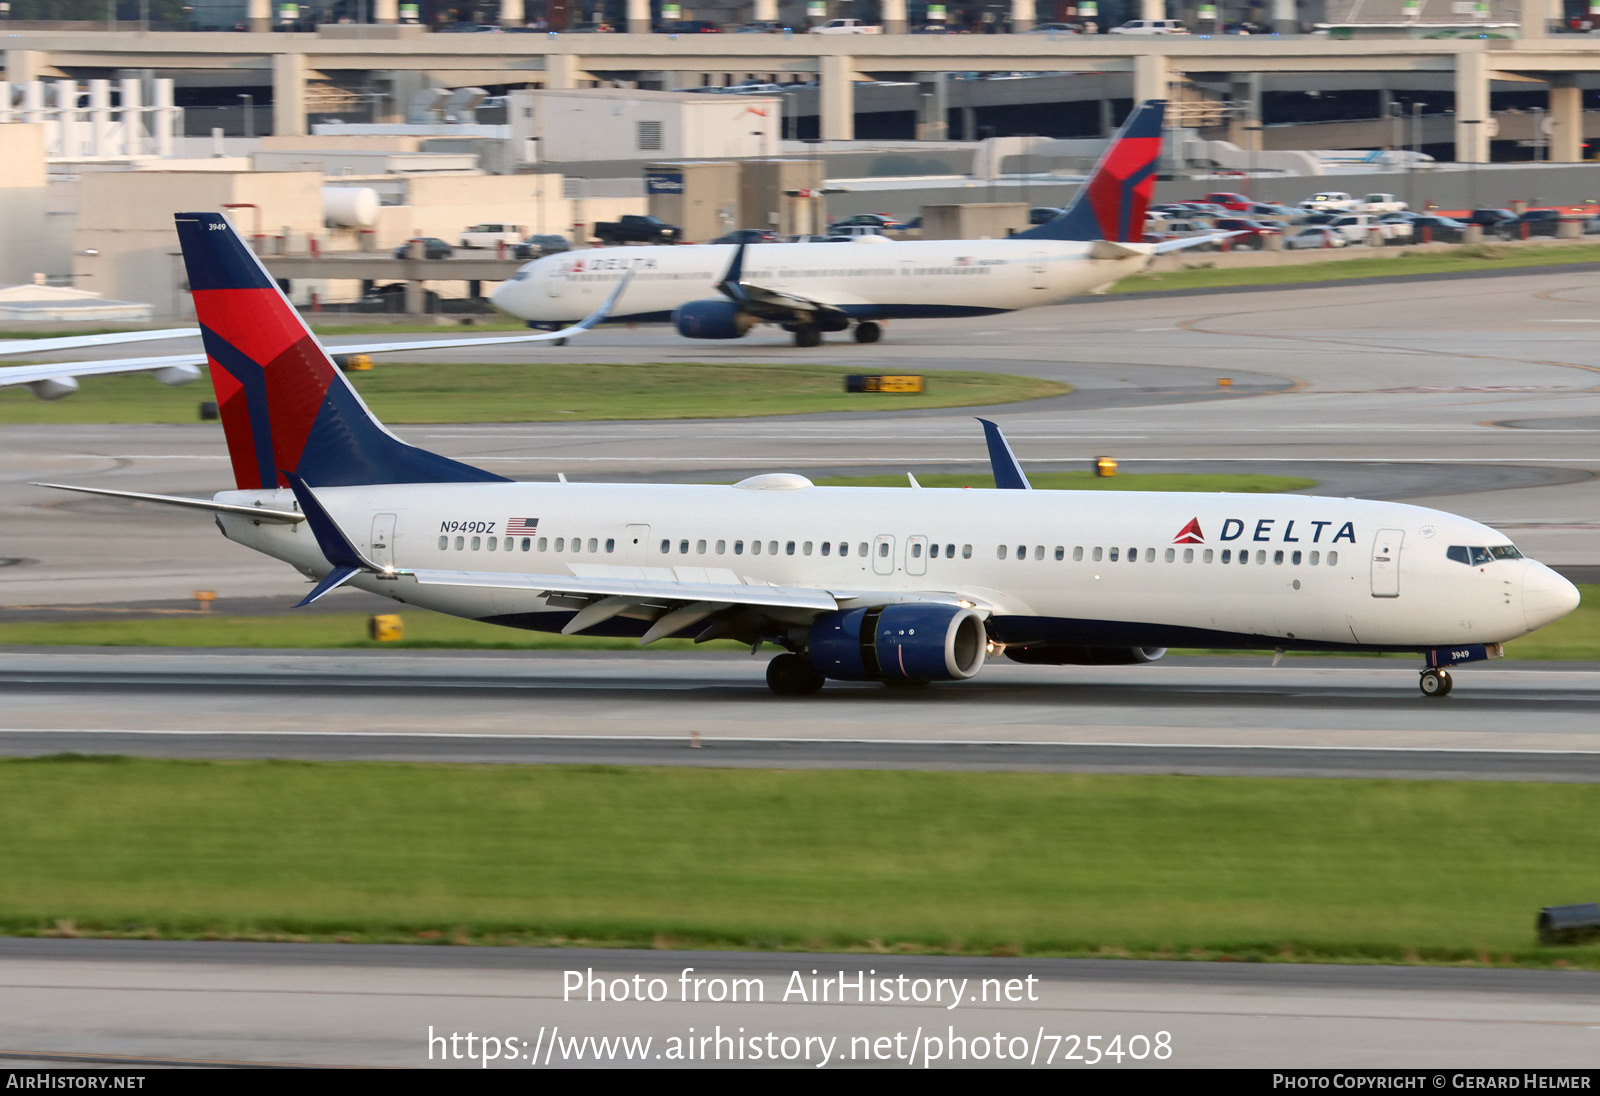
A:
1473, 555
518, 276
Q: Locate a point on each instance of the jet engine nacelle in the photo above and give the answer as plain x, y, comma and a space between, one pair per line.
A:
907, 642
712, 319
1054, 655
54, 388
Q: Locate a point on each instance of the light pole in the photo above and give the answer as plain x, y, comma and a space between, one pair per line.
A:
249, 113
1254, 130
1416, 149
1538, 132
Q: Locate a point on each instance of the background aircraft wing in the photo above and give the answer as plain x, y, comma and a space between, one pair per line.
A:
79, 342
54, 380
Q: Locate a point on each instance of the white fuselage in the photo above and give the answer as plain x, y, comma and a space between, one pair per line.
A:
1149, 569
870, 277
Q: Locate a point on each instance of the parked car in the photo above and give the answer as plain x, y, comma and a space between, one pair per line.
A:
432, 248
1380, 203
1271, 209
1330, 201
846, 26
535, 247
1178, 229
805, 238
688, 26
1252, 234
492, 235
1488, 218
1531, 222
880, 220
1315, 236
761, 26
1236, 203
749, 236
635, 228
1150, 26
1056, 28
1357, 228
856, 230
1431, 228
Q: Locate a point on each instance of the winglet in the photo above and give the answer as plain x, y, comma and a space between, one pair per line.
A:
347, 560
1008, 474
730, 286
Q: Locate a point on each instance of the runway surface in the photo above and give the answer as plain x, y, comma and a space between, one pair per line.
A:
1478, 396
1308, 717
94, 1002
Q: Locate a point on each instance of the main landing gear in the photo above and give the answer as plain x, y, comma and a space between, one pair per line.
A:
1435, 682
868, 332
807, 337
792, 675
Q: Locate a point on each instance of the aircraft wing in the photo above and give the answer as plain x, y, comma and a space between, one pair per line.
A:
1194, 241
79, 342
56, 379
770, 305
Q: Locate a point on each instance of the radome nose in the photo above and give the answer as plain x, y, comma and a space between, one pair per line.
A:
1546, 596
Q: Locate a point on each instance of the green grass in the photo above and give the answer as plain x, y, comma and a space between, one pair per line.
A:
1406, 264
976, 863
424, 392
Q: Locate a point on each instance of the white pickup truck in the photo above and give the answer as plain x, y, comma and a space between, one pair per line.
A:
1357, 228
492, 235
1380, 203
1330, 201
847, 26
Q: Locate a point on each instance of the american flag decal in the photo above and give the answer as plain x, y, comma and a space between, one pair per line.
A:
521, 527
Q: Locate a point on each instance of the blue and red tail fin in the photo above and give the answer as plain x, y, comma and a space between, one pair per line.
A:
283, 403
1112, 203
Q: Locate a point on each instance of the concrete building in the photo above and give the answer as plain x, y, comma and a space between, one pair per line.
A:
611, 123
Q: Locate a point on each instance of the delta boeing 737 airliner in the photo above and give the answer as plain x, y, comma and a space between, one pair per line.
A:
891, 585
721, 291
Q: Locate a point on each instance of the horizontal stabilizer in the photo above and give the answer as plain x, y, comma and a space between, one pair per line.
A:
1107, 249
254, 513
330, 582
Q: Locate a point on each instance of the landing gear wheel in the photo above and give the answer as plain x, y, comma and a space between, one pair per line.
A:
792, 675
868, 332
807, 337
1436, 683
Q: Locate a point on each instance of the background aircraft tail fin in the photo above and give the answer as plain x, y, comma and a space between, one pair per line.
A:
283, 403
1112, 203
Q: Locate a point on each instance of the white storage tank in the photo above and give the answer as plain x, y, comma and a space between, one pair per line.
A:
350, 206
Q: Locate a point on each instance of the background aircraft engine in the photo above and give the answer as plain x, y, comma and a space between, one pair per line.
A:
712, 319
908, 642
1053, 655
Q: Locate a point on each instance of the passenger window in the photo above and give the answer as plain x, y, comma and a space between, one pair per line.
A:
722, 547
1277, 557
1133, 555
827, 547
738, 547
788, 548
1333, 559
1188, 555
755, 547
594, 544
861, 549
1261, 556
933, 551
494, 544
1150, 555
1227, 555
477, 542
611, 545
949, 551
916, 550
883, 549
1172, 554
1113, 556
1038, 551
560, 543
1022, 551
1314, 557
683, 547
1061, 552
1098, 552
444, 542
666, 546
966, 551
1000, 552
1295, 559
700, 547
1206, 558
544, 542
1077, 554
460, 543
772, 547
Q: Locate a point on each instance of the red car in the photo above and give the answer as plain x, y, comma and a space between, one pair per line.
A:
1251, 233
1238, 203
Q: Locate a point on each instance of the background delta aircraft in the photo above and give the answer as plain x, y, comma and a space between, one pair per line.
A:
721, 291
56, 380
893, 585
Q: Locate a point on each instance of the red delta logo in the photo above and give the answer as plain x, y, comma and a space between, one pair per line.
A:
1190, 534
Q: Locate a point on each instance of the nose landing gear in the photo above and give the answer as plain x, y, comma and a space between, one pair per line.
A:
1436, 682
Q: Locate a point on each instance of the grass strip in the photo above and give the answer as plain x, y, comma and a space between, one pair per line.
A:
964, 863
1405, 264
431, 392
